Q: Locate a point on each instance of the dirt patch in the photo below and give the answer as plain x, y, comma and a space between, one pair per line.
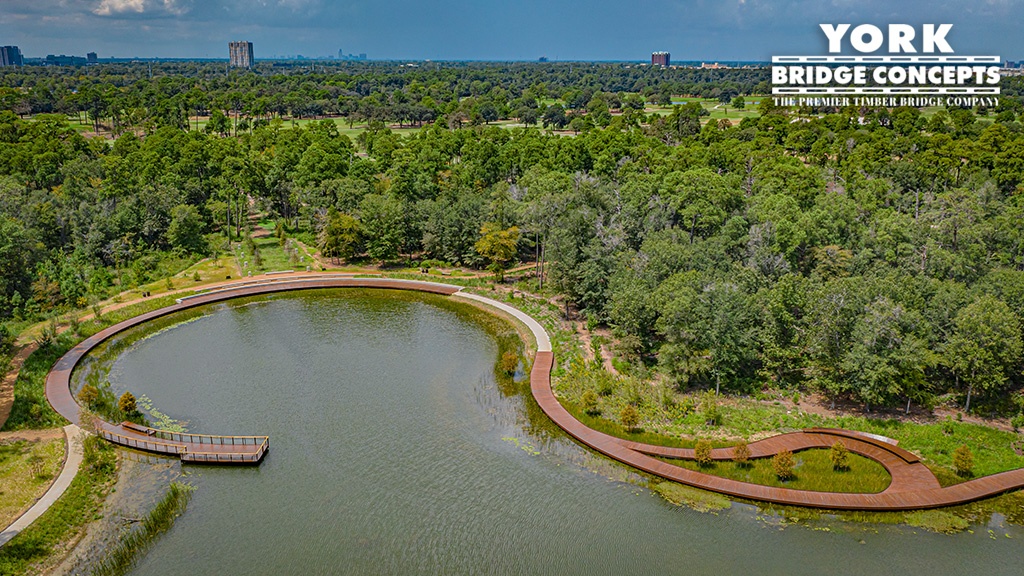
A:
7, 384
31, 435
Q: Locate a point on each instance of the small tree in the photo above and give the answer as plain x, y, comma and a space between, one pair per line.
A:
88, 395
783, 463
126, 404
741, 453
629, 417
702, 452
839, 455
498, 245
709, 407
509, 362
589, 401
963, 461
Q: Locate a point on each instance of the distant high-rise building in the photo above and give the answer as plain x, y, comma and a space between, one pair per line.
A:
240, 54
11, 56
341, 54
91, 58
660, 58
362, 55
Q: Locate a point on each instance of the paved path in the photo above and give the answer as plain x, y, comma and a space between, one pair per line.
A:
67, 474
912, 487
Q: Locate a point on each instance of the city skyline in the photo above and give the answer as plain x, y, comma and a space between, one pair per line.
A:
741, 30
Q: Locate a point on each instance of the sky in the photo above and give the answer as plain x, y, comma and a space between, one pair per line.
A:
488, 30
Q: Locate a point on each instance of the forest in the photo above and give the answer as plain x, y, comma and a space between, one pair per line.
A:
870, 255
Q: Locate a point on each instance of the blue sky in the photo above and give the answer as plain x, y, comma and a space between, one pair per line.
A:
487, 30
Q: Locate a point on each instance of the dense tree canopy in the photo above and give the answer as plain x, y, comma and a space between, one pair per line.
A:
873, 255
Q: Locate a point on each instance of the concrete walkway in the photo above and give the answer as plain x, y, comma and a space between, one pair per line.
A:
74, 436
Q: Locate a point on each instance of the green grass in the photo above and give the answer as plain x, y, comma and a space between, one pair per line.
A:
668, 416
813, 472
124, 555
30, 409
46, 539
26, 471
699, 500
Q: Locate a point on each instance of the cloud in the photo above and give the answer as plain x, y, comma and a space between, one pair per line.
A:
150, 7
177, 7
111, 7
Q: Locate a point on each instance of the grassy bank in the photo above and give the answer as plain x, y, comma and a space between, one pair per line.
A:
122, 557
813, 471
671, 418
50, 537
26, 471
30, 410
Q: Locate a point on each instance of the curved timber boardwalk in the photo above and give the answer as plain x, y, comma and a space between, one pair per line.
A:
199, 448
913, 486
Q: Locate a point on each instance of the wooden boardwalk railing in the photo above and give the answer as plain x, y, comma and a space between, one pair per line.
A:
201, 448
912, 487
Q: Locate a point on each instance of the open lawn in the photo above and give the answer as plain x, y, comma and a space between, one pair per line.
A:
26, 471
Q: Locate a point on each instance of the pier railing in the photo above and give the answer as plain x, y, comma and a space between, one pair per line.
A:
147, 445
199, 448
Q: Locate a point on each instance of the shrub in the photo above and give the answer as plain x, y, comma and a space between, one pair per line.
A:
741, 453
196, 277
963, 461
712, 413
88, 395
948, 426
126, 403
589, 401
783, 464
98, 455
702, 452
1017, 422
509, 362
840, 456
6, 340
49, 334
629, 417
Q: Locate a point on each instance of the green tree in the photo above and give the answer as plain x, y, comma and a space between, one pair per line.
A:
589, 401
127, 404
963, 461
497, 245
839, 455
339, 236
741, 453
887, 358
985, 348
702, 453
383, 224
784, 464
185, 231
88, 395
708, 329
629, 418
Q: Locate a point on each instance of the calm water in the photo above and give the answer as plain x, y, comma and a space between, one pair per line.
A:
394, 450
